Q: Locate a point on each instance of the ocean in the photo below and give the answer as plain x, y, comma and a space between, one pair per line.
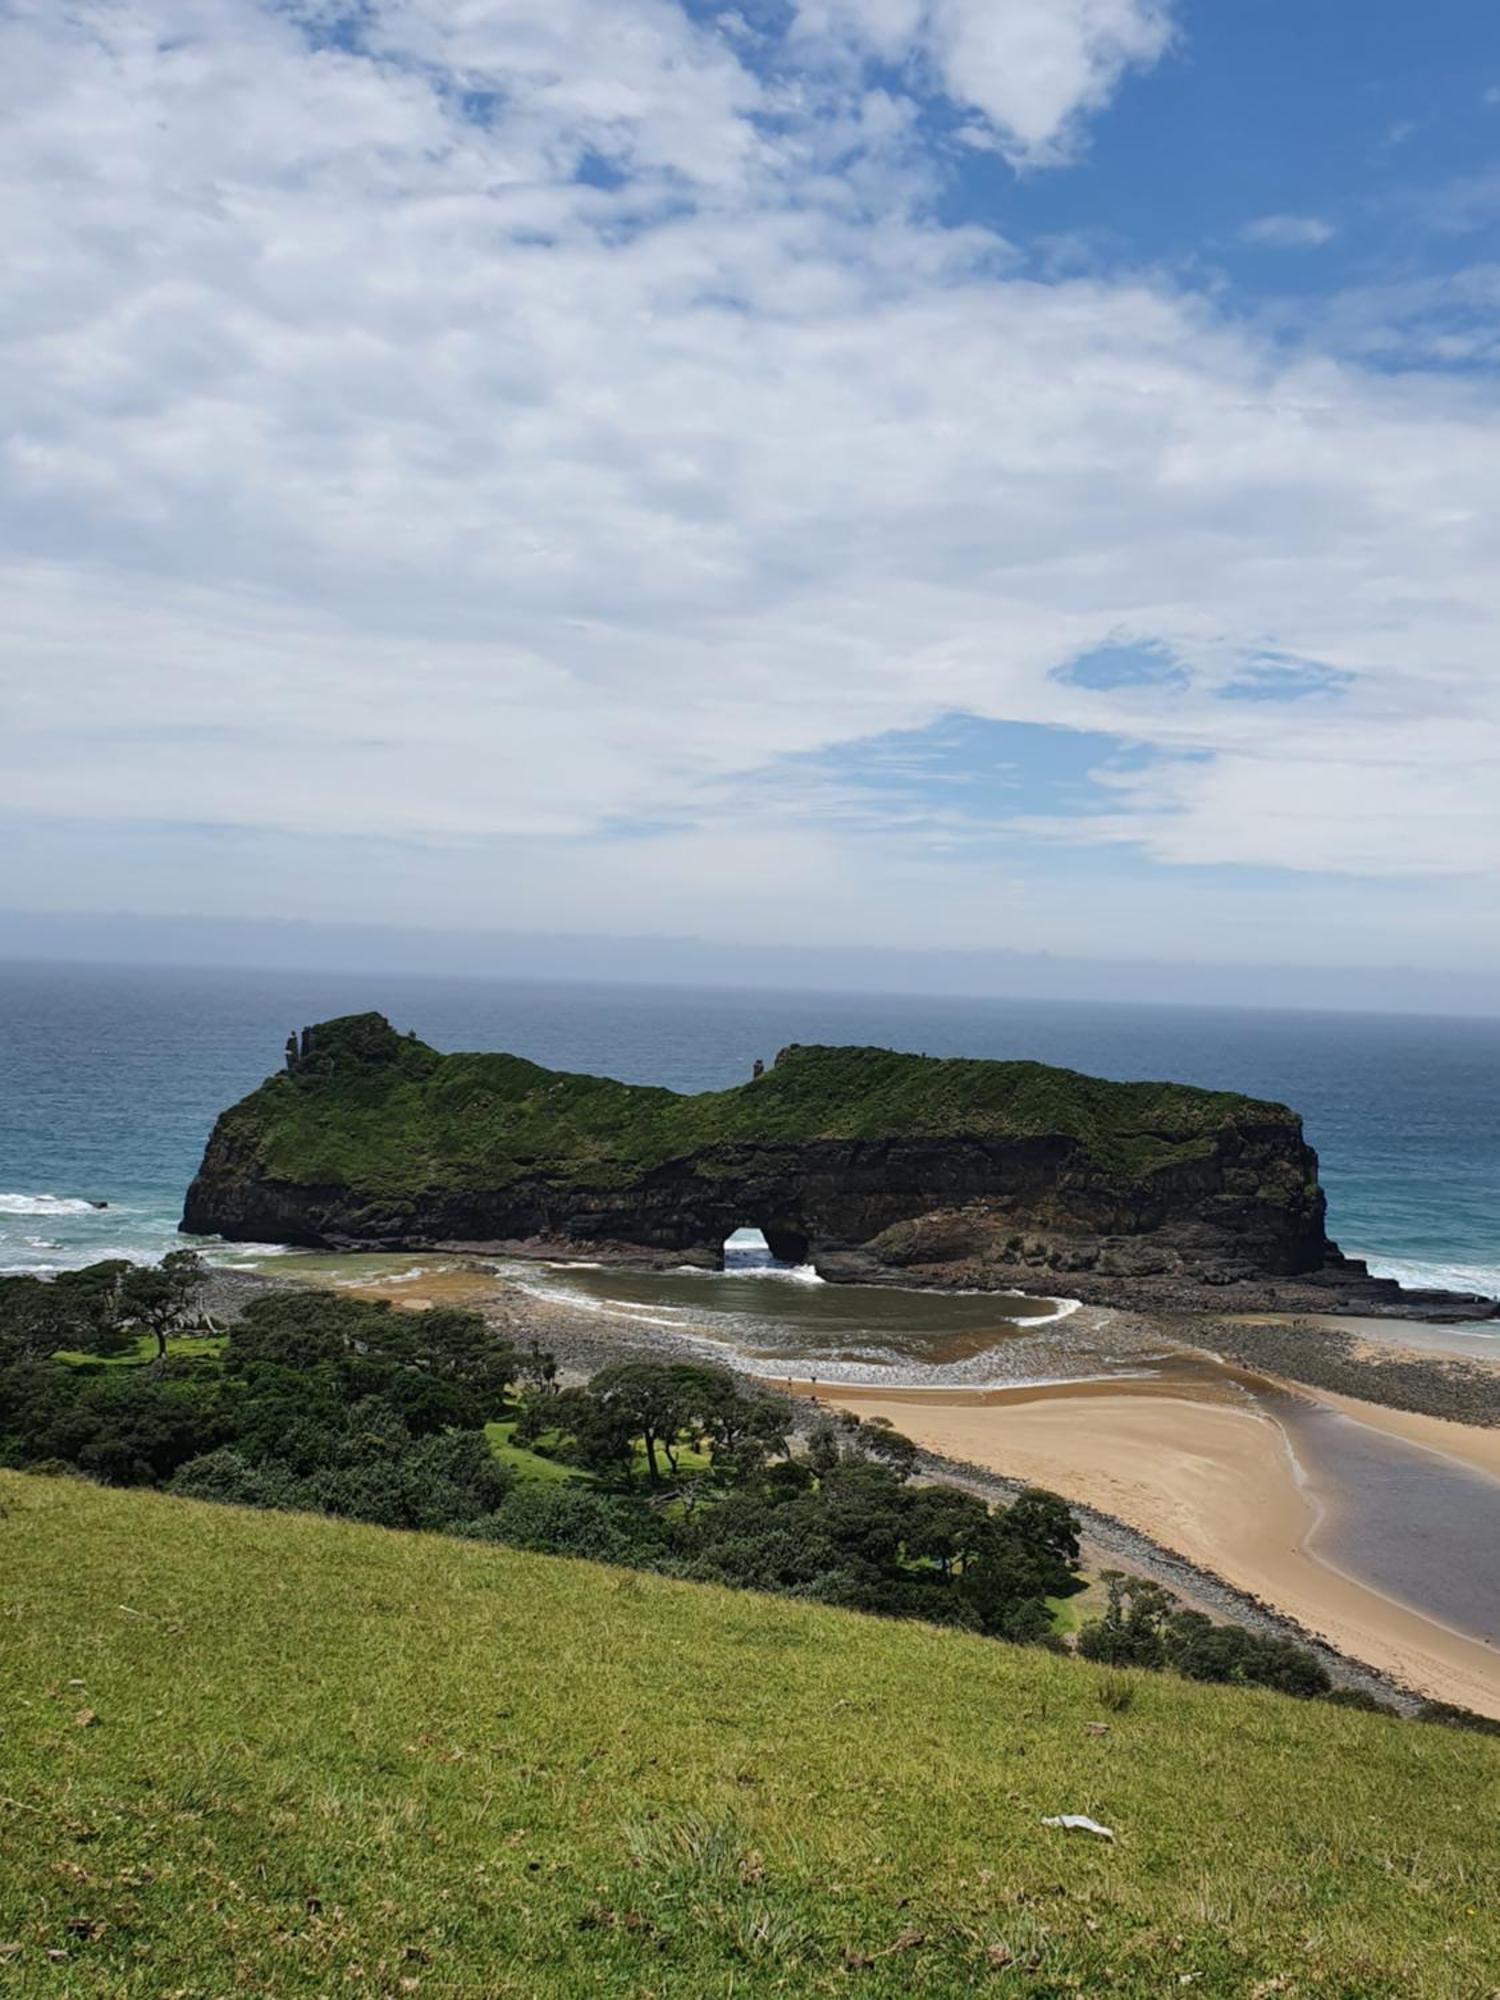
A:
110, 1078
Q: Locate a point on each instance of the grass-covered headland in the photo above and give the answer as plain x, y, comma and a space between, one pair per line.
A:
265, 1753
386, 1113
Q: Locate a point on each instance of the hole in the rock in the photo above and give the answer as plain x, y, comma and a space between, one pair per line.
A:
752, 1249
747, 1250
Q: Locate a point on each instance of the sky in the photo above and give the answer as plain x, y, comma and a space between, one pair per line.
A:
995, 480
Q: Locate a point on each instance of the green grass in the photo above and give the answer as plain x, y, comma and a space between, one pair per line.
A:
387, 1115
181, 1346
1070, 1614
264, 1754
529, 1464
540, 1465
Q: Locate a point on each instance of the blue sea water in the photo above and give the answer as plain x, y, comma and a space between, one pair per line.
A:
110, 1078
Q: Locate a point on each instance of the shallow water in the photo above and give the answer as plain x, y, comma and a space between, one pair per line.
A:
1417, 1526
781, 1321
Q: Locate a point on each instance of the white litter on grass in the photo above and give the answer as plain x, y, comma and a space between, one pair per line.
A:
1080, 1823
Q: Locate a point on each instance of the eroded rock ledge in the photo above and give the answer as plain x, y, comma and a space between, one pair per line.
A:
870, 1164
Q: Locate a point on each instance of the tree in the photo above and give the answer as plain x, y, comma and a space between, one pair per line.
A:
598, 1436
659, 1401
744, 1433
863, 1510
76, 1309
32, 1321
1203, 1651
823, 1452
949, 1529
1132, 1631
1047, 1525
163, 1299
848, 1439
877, 1437
538, 1370
461, 1347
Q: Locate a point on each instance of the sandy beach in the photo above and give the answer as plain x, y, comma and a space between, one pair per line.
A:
1215, 1478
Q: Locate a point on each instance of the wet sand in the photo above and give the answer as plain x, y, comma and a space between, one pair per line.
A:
1207, 1472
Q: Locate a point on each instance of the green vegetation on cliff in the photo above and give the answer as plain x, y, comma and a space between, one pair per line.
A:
282, 1755
369, 1109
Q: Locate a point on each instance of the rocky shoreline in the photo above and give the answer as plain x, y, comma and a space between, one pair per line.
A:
1328, 1357
1342, 1286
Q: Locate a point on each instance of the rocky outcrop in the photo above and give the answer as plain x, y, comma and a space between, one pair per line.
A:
871, 1165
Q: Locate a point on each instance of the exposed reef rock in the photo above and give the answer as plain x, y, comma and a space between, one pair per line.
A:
871, 1165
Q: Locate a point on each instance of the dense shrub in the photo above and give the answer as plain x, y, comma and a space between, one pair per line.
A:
1143, 1626
1450, 1716
318, 1401
575, 1521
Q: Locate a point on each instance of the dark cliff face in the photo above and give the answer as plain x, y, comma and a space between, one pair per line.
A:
866, 1163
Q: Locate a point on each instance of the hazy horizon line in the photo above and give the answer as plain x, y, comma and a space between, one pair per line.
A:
294, 945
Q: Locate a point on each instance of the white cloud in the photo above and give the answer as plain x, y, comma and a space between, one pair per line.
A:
1034, 68
372, 478
1289, 232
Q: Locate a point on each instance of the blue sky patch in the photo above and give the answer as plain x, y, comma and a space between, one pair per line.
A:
970, 769
1273, 679
1106, 668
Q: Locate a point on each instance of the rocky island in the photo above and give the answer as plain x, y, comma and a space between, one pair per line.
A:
869, 1164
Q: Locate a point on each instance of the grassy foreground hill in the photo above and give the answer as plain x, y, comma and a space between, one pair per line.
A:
251, 1753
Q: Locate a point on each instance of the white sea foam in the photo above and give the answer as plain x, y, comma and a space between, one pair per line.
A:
798, 1274
1060, 1310
1482, 1278
388, 1277
214, 1250
44, 1204
671, 1318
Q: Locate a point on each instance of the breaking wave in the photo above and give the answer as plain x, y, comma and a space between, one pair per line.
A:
1442, 1277
44, 1204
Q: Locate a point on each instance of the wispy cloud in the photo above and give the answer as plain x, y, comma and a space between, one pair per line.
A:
1289, 232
